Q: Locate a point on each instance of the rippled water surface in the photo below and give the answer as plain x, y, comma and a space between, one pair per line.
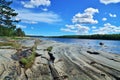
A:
111, 46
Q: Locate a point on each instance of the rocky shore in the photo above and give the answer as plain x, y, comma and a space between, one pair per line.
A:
64, 62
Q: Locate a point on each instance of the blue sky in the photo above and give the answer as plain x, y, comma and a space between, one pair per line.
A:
68, 17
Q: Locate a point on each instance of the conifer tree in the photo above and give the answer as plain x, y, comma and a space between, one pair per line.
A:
7, 18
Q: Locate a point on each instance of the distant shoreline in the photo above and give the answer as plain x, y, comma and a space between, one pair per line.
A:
96, 36
82, 38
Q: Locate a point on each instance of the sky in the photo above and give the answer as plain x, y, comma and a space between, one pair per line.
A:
68, 17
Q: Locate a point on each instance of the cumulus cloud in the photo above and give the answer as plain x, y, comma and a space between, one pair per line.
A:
77, 28
21, 26
107, 28
82, 29
86, 17
112, 15
91, 10
70, 26
104, 19
109, 1
36, 3
34, 18
80, 20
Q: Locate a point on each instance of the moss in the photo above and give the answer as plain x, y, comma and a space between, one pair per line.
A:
49, 48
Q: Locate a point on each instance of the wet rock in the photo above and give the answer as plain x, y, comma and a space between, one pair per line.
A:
92, 52
101, 43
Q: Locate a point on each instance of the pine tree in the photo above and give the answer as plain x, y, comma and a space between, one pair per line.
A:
19, 32
7, 18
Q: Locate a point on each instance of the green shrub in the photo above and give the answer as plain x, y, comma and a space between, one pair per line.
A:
24, 61
49, 48
28, 61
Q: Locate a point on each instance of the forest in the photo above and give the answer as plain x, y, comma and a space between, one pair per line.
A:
7, 20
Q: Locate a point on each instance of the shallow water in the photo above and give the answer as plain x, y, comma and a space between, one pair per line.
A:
111, 46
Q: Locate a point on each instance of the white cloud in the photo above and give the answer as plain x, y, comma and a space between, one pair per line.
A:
112, 15
80, 20
91, 10
109, 1
108, 28
82, 29
70, 26
77, 28
34, 18
86, 17
29, 22
104, 19
36, 3
21, 26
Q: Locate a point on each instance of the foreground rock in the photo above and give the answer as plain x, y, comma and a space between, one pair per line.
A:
71, 63
8, 68
77, 63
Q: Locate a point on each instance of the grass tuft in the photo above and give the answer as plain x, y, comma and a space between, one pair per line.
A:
12, 44
28, 61
49, 48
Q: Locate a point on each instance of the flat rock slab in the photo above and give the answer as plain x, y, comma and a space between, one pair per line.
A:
5, 54
27, 43
6, 63
75, 63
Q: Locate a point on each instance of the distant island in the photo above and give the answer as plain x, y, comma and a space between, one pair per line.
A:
95, 36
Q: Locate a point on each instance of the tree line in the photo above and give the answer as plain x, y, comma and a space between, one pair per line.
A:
8, 21
96, 36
